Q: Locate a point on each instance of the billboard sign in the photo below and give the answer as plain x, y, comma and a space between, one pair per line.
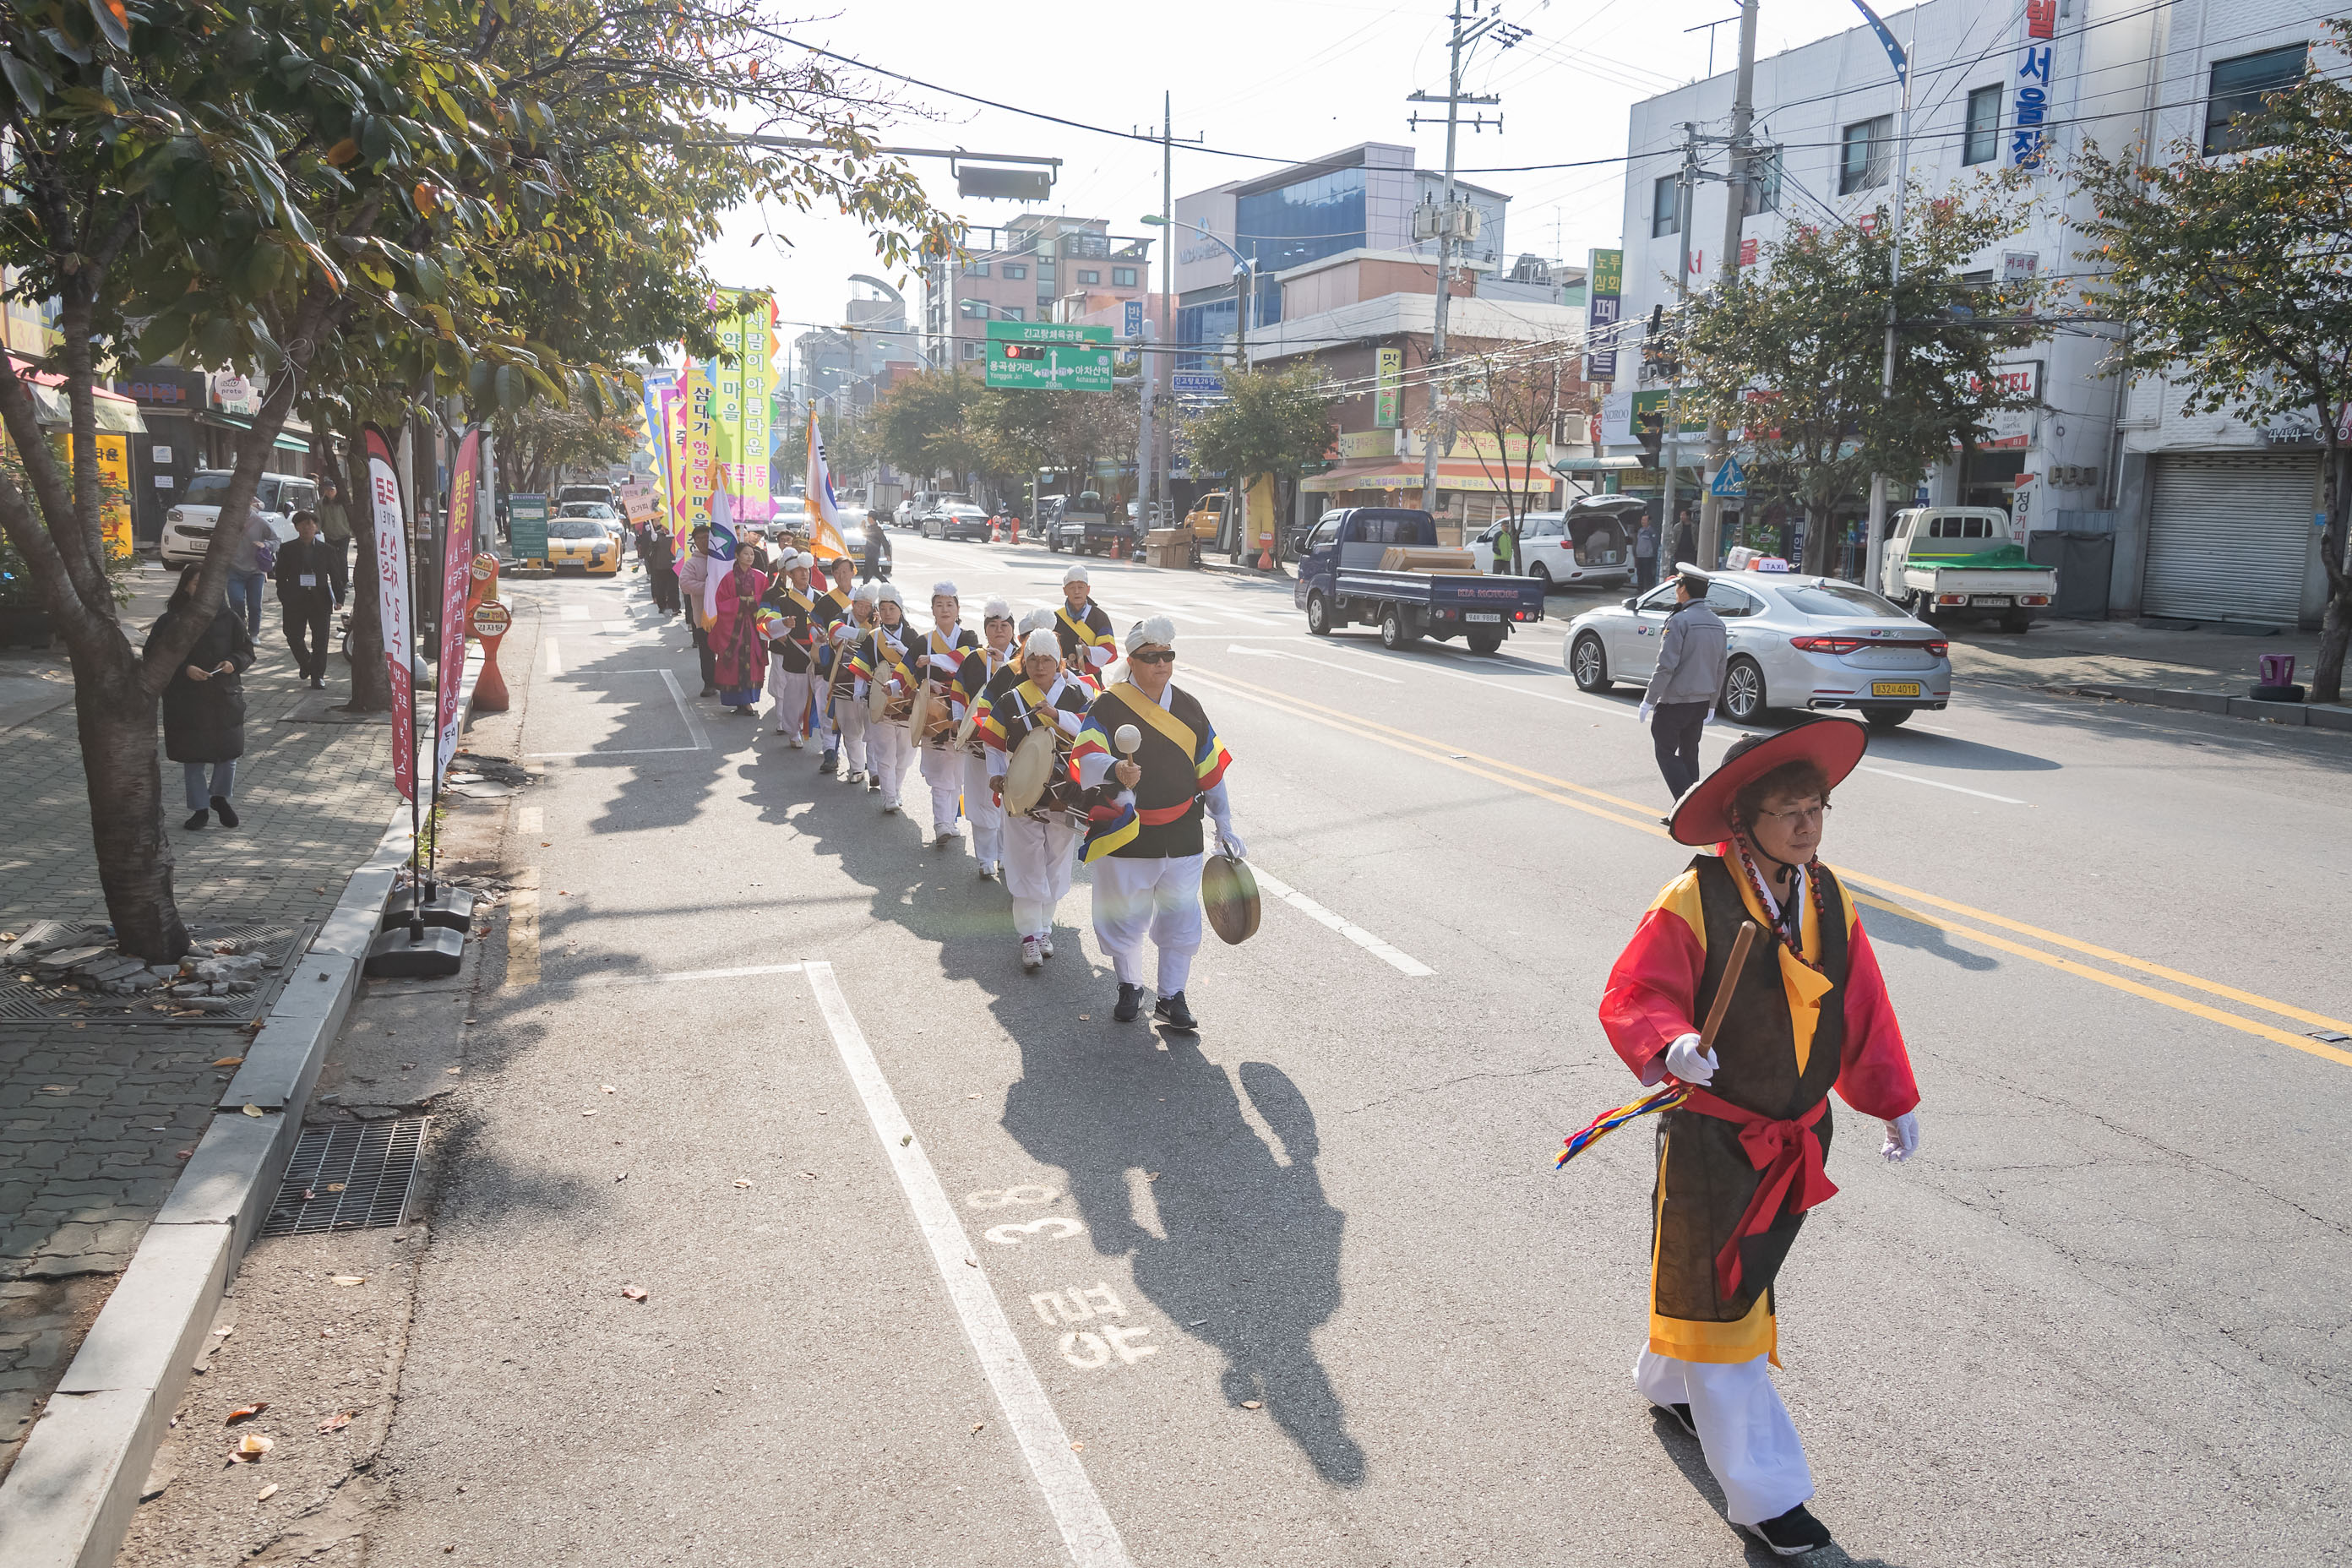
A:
1049, 357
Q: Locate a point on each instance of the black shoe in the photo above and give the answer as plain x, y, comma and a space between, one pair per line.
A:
226, 812
1131, 1003
873, 783
1679, 1415
197, 820
707, 691
318, 683
827, 763
1793, 1533
1172, 1011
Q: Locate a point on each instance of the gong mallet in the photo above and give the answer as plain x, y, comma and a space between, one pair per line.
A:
1741, 944
1127, 738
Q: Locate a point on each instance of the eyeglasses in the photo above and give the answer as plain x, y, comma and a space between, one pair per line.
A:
1802, 817
1164, 655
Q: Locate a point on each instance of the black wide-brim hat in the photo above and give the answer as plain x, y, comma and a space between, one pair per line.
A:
1702, 815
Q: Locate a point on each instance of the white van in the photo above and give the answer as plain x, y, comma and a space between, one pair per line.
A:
188, 527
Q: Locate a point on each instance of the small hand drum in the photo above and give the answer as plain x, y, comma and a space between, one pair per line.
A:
1029, 770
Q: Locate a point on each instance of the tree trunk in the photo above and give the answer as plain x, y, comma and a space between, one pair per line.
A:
1817, 539
2335, 627
370, 681
115, 717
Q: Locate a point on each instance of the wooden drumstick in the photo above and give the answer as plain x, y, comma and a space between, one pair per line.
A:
1745, 939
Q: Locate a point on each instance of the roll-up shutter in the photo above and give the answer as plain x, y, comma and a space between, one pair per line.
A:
2228, 538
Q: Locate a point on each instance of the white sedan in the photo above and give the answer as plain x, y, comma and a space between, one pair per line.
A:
1795, 642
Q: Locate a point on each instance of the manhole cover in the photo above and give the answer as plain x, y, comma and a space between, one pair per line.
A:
30, 1002
351, 1175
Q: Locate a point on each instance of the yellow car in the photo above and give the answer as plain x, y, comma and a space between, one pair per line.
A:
584, 542
1207, 518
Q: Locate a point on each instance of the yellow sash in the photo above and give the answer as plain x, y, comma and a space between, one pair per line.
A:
1086, 632
1158, 718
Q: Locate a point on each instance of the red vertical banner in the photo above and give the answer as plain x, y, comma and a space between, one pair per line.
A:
392, 606
456, 558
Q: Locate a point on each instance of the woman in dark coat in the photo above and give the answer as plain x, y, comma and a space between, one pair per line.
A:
203, 707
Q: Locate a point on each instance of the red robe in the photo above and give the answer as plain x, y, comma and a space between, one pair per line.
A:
738, 653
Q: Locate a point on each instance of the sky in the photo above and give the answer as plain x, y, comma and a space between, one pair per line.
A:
1286, 80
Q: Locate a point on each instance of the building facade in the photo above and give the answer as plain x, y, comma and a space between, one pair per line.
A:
1038, 267
2196, 518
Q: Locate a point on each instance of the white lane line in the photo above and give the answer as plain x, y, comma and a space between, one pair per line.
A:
575, 612
1939, 784
1403, 963
1505, 686
531, 821
555, 655
1092, 1538
693, 730
693, 721
689, 975
1342, 668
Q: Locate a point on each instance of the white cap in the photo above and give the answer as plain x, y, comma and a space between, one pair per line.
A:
1157, 631
888, 594
997, 609
1076, 574
797, 562
866, 591
1042, 644
947, 588
1036, 620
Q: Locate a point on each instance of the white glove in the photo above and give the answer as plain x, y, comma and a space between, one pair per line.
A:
1692, 1062
1230, 841
1902, 1138
1643, 714
1708, 720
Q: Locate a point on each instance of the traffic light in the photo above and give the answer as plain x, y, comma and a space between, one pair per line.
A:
1025, 351
1650, 429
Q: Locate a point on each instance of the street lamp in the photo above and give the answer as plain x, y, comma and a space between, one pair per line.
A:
1245, 273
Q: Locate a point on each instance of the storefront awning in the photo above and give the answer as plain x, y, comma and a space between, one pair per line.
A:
1399, 474
116, 415
284, 443
1597, 465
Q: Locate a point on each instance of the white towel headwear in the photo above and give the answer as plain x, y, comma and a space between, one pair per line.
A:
1157, 631
1076, 575
997, 610
948, 589
1042, 644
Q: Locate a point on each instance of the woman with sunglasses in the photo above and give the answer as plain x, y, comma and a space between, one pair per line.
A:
1740, 1156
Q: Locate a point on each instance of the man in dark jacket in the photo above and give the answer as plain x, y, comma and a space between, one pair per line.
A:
306, 594
1683, 689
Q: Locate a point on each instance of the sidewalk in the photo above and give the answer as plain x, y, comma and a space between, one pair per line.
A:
96, 1120
2205, 672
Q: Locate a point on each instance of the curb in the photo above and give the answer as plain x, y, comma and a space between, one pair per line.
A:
69, 1500
2314, 716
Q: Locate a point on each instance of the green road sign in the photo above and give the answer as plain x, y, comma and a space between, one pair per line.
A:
526, 527
1045, 356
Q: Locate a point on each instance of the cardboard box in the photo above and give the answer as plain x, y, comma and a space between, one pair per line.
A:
1175, 555
1399, 558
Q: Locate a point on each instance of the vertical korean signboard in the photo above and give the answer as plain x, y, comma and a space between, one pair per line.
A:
1605, 295
698, 456
2029, 144
741, 387
392, 606
1387, 387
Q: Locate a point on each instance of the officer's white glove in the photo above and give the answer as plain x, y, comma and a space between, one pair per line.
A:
1642, 715
1690, 1061
1902, 1138
1231, 842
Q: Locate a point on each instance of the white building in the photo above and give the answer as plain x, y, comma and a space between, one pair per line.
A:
2202, 519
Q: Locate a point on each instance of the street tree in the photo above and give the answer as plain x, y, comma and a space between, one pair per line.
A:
1028, 430
2235, 278
1270, 424
1791, 358
1510, 401
323, 196
930, 424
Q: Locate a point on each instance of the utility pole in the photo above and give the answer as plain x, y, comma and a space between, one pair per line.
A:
1735, 212
1670, 450
1162, 487
1875, 541
1449, 220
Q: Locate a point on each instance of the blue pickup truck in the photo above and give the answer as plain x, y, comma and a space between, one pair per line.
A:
1340, 583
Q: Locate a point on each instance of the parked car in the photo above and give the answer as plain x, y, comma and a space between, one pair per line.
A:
584, 543
570, 493
913, 510
1795, 642
955, 520
1341, 583
1591, 542
1964, 561
1207, 520
188, 526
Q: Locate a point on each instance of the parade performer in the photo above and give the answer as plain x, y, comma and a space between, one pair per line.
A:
693, 579
886, 653
832, 614
1143, 837
1038, 843
1745, 1125
738, 656
850, 719
791, 644
942, 652
1088, 644
985, 667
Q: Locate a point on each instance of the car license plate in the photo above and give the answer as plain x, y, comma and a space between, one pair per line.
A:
1991, 601
1481, 616
1894, 688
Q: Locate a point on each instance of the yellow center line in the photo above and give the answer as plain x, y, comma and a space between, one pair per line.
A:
1496, 771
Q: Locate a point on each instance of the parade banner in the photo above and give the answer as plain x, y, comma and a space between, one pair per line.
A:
722, 555
457, 560
658, 384
698, 467
824, 511
392, 606
740, 408
672, 448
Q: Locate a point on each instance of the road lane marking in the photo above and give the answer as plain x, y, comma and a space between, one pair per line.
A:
693, 720
693, 730
1487, 768
1087, 1532
555, 655
531, 821
575, 612
689, 975
523, 929
1405, 963
1342, 668
1939, 784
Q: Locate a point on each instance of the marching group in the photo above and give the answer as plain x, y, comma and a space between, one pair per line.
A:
1055, 737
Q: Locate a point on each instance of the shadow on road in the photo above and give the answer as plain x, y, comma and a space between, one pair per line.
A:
1889, 927
1683, 1451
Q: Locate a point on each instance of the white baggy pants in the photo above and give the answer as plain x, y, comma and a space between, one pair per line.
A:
852, 718
1157, 898
1751, 1446
943, 771
794, 694
887, 746
1037, 862
979, 807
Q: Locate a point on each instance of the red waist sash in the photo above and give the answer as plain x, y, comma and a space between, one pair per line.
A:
1789, 1153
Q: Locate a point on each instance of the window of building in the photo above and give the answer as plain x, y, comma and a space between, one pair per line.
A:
1869, 156
1665, 207
973, 349
977, 270
1016, 269
1983, 144
2233, 114
1302, 221
1088, 275
1122, 276
1013, 313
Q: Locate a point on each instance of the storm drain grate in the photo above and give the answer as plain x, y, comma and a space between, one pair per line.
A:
351, 1175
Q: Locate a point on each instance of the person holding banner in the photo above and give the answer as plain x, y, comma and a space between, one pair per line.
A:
694, 585
847, 711
1038, 842
884, 656
1088, 645
943, 651
793, 648
737, 656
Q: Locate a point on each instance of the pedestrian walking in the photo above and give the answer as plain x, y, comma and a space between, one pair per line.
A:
940, 659
738, 656
204, 706
248, 571
1506, 551
1683, 690
869, 566
335, 527
1646, 555
1089, 646
693, 585
1745, 1118
986, 669
792, 676
307, 596
885, 657
1686, 540
661, 568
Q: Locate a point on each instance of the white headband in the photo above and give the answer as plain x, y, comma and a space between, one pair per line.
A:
1076, 574
1042, 644
1158, 631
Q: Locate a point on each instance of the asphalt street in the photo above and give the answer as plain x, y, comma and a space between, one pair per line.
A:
941, 1265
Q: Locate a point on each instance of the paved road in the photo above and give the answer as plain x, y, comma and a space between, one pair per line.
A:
943, 1266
